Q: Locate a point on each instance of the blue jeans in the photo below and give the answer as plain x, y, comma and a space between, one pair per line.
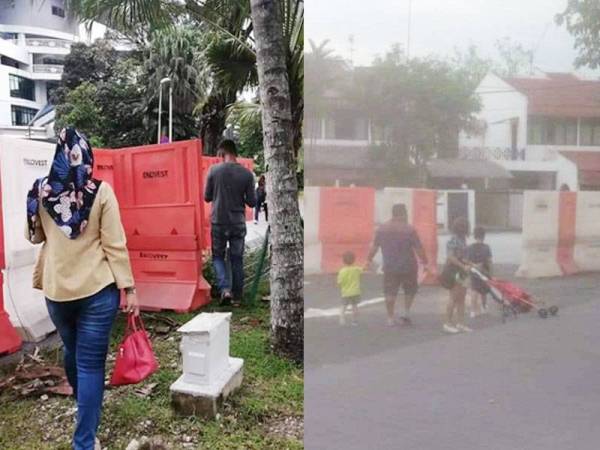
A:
221, 237
84, 326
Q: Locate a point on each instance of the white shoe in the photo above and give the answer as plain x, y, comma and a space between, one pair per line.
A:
463, 328
450, 329
472, 314
391, 323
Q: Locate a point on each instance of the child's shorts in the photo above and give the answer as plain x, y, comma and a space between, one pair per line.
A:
351, 300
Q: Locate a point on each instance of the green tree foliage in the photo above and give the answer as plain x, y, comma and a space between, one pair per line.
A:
230, 49
582, 20
515, 59
420, 106
80, 110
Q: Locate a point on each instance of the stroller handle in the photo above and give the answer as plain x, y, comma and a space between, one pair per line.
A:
479, 274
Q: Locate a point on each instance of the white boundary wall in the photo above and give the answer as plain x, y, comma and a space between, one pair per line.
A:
21, 163
587, 231
540, 235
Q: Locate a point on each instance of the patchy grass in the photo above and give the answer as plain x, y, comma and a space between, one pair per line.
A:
266, 413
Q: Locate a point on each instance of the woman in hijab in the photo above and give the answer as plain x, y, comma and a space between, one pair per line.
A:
82, 266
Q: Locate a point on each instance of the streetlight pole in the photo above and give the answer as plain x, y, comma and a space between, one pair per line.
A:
163, 81
408, 30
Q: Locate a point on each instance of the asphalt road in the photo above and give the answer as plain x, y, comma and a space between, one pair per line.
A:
527, 384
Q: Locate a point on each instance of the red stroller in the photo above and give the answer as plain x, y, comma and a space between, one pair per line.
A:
512, 298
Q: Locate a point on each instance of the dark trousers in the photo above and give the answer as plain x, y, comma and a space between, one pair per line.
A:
84, 326
229, 237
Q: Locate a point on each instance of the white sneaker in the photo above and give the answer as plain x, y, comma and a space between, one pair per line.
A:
472, 314
463, 328
450, 329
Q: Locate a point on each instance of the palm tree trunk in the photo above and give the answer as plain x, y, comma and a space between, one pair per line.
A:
287, 252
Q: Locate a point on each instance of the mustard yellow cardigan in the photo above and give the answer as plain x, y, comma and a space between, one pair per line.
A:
71, 269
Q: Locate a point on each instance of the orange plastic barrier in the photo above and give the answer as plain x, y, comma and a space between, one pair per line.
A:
160, 196
424, 219
104, 165
347, 215
567, 206
10, 340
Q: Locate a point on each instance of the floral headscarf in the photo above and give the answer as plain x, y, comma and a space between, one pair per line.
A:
68, 192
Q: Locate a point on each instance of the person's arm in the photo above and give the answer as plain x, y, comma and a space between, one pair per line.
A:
34, 233
453, 259
38, 235
250, 195
489, 261
209, 187
419, 250
113, 241
373, 250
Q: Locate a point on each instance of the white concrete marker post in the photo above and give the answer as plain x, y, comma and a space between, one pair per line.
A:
210, 375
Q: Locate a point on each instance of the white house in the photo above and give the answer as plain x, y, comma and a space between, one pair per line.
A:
544, 129
35, 37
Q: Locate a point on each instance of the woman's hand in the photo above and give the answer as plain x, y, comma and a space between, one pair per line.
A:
132, 306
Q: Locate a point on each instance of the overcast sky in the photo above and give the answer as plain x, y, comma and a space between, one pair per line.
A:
438, 26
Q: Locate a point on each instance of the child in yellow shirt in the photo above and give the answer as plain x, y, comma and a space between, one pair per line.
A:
348, 280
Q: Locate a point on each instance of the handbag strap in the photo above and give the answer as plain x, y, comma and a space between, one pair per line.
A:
134, 323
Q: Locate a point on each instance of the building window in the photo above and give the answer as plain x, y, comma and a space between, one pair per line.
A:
551, 131
589, 132
21, 87
6, 61
51, 86
57, 11
345, 125
22, 115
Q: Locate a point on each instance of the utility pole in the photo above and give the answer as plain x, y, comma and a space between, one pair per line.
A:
408, 30
351, 41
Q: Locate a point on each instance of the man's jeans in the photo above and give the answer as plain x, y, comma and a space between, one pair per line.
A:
84, 326
221, 236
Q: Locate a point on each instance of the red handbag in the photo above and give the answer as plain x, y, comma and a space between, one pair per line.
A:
135, 359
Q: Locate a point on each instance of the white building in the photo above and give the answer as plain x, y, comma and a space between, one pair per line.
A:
35, 37
544, 129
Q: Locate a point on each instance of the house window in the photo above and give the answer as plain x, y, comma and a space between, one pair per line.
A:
589, 132
22, 115
551, 131
57, 11
345, 125
21, 87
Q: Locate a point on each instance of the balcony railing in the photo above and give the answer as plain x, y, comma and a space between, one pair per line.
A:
48, 68
492, 153
48, 42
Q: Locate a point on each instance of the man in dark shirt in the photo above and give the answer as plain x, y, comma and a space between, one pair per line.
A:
399, 243
230, 188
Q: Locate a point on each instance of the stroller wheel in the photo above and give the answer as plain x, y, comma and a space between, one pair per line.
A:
543, 313
553, 310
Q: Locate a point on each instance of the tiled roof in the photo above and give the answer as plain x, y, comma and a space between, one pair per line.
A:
560, 95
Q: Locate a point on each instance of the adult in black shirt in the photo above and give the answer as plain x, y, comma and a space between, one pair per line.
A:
230, 188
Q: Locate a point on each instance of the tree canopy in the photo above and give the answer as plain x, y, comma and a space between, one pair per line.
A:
582, 20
